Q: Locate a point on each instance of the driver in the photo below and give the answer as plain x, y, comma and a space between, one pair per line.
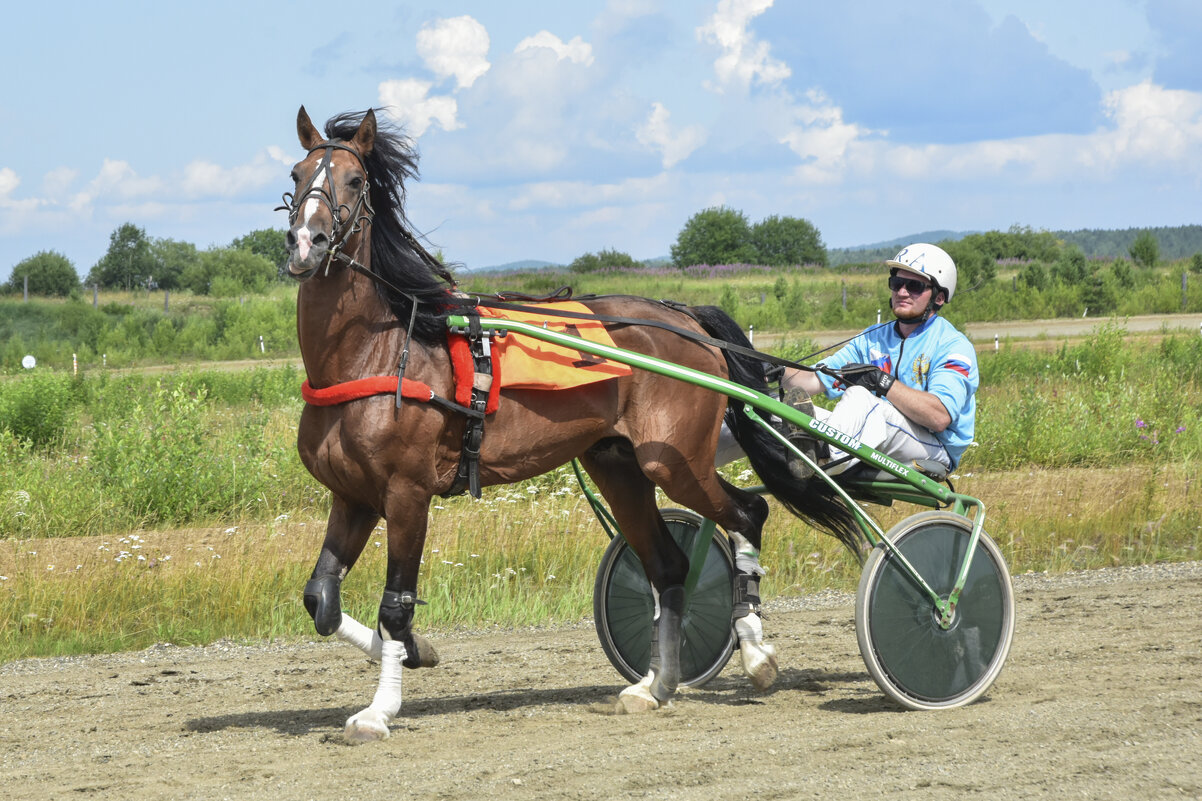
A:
908, 389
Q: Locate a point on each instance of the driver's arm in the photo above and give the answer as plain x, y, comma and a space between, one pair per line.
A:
923, 408
805, 379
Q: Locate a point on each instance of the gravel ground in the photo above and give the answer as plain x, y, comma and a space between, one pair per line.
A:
1101, 698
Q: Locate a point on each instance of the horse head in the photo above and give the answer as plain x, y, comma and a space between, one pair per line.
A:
330, 204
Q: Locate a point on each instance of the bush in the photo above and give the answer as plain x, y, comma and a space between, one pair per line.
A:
602, 260
37, 407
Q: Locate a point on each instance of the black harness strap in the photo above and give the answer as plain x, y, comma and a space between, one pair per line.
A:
468, 476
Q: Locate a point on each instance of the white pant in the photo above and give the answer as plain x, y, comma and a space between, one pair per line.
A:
874, 421
878, 424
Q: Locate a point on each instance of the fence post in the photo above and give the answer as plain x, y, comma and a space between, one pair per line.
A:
95, 296
26, 288
166, 300
1184, 294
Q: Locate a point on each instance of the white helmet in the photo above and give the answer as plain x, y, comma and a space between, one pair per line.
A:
929, 260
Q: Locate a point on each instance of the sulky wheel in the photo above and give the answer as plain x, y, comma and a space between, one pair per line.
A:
623, 606
910, 656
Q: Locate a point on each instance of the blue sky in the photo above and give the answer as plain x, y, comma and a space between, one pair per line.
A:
551, 129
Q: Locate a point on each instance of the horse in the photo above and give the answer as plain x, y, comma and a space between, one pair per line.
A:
372, 302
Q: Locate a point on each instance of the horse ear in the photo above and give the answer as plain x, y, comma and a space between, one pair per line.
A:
308, 133
365, 137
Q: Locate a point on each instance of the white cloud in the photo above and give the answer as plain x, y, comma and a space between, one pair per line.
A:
744, 58
58, 181
576, 50
205, 179
408, 102
118, 179
1152, 124
674, 147
455, 47
820, 137
9, 181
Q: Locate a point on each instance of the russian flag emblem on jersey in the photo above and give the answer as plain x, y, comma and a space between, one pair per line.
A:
958, 363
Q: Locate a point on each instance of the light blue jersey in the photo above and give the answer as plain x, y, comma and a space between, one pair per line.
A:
936, 358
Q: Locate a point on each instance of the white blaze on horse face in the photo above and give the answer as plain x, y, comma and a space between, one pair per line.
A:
304, 239
312, 203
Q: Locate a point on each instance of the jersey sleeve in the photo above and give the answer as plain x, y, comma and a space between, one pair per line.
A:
954, 377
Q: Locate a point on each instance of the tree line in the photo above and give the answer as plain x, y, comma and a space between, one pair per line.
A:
135, 261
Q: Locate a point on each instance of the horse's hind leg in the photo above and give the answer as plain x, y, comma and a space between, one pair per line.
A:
742, 515
759, 657
631, 496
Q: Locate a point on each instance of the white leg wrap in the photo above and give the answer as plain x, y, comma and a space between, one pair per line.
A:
360, 636
637, 697
372, 723
747, 556
759, 658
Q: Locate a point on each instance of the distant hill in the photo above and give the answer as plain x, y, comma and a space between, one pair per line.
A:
514, 266
879, 251
1176, 242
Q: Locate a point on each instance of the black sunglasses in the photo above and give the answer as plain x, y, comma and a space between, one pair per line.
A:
914, 286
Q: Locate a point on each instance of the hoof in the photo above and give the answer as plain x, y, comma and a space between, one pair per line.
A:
367, 726
759, 663
422, 655
637, 698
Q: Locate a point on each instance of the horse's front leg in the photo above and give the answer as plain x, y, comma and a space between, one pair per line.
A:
347, 532
398, 645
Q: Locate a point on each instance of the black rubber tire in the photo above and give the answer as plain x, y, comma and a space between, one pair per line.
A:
909, 655
623, 607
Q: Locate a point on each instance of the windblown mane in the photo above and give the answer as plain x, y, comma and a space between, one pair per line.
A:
396, 254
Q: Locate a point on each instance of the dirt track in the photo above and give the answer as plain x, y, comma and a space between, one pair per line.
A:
1101, 698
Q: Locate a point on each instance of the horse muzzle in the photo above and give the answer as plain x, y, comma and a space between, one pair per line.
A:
307, 251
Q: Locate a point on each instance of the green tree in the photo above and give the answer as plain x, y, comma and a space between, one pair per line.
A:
1072, 269
1195, 263
266, 242
785, 241
49, 272
1145, 250
127, 263
601, 260
226, 271
1034, 275
716, 235
974, 267
173, 259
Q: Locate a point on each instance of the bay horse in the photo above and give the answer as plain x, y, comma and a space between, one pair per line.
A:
368, 294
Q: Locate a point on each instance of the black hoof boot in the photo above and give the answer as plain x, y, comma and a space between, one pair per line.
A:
665, 644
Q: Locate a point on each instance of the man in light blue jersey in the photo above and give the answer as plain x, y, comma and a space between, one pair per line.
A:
908, 388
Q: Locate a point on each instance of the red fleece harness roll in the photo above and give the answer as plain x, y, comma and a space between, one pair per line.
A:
461, 368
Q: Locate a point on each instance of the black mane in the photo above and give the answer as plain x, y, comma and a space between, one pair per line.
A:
396, 254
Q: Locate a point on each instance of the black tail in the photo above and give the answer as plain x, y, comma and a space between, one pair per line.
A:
814, 501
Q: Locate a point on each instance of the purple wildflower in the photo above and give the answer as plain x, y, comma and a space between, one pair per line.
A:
1140, 423
1180, 430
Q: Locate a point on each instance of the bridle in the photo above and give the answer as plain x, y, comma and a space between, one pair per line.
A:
357, 215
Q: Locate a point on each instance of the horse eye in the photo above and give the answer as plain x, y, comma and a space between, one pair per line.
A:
294, 177
356, 183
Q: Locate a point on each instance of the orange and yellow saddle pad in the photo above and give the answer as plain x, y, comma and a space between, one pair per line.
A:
529, 363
